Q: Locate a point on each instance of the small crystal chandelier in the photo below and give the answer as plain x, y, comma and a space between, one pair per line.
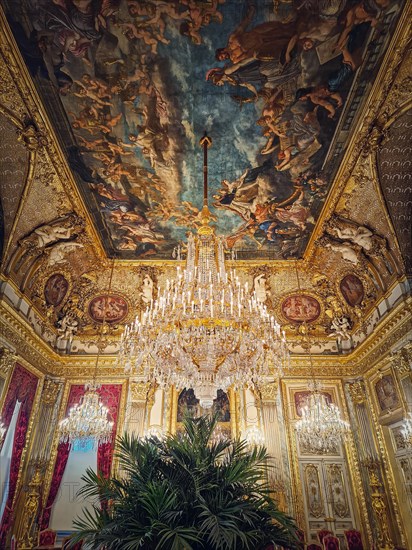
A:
321, 427
406, 430
205, 330
88, 420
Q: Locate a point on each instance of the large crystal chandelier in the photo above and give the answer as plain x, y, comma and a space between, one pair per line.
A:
88, 420
321, 427
205, 330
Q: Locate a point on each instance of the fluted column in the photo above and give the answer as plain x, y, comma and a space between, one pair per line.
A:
372, 474
271, 429
26, 526
137, 407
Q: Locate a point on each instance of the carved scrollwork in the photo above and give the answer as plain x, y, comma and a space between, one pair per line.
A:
139, 391
402, 360
268, 392
357, 392
50, 393
7, 360
30, 136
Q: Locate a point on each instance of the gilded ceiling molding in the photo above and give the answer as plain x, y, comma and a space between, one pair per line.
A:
366, 135
22, 337
30, 346
20, 103
377, 348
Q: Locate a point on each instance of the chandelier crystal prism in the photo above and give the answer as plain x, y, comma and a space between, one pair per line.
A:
87, 420
321, 427
204, 330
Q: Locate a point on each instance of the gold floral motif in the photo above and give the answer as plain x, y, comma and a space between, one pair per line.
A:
337, 489
139, 391
402, 360
51, 390
269, 391
7, 360
314, 496
357, 392
31, 505
381, 513
31, 137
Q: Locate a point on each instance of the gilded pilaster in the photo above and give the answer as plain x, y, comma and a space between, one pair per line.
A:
137, 407
7, 361
28, 527
39, 454
386, 476
381, 512
270, 426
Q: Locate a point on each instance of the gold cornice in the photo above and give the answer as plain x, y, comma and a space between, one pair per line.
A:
29, 346
396, 325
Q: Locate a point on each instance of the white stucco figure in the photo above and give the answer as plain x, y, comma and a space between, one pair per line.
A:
260, 287
147, 289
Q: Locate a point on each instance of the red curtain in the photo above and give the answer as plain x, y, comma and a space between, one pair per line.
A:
63, 451
110, 396
23, 385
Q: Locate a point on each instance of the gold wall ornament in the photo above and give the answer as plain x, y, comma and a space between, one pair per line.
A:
314, 494
357, 392
21, 336
337, 490
401, 360
139, 391
30, 136
381, 512
269, 391
51, 390
28, 529
7, 360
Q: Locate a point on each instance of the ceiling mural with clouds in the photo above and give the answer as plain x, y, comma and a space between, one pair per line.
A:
131, 85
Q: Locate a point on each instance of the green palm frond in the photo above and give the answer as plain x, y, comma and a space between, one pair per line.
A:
184, 493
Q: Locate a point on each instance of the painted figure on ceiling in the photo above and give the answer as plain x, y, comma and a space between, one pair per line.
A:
138, 78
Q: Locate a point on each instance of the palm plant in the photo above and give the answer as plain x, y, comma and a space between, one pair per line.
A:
184, 492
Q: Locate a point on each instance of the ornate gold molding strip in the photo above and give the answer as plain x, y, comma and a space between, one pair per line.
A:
364, 136
20, 102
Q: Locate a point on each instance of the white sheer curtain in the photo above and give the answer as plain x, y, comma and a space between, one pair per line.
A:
5, 458
68, 506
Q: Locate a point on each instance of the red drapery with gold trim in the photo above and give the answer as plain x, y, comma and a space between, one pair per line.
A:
110, 395
22, 388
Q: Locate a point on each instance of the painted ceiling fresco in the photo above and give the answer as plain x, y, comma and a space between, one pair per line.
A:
131, 85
